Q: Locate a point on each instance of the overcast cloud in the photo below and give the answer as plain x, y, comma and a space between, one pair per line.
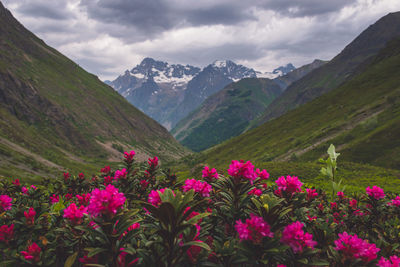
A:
106, 37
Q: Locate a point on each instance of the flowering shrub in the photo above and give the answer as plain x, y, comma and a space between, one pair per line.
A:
143, 215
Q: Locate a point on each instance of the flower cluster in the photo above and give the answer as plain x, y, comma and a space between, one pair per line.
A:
395, 202
153, 162
241, 169
254, 229
209, 174
263, 175
311, 194
394, 261
294, 236
75, 214
30, 216
154, 197
129, 155
33, 253
5, 203
203, 188
356, 248
6, 233
290, 184
375, 192
54, 199
106, 202
120, 174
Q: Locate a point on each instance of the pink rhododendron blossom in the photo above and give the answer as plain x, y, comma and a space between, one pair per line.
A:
294, 236
81, 176
340, 194
253, 229
30, 216
395, 202
24, 190
394, 261
153, 162
154, 197
68, 196
120, 174
75, 214
54, 199
209, 174
241, 169
33, 253
264, 175
83, 199
353, 247
106, 169
66, 176
311, 194
334, 206
6, 233
255, 191
375, 192
353, 203
130, 228
129, 155
5, 203
290, 184
203, 188
105, 202
108, 179
144, 184
16, 182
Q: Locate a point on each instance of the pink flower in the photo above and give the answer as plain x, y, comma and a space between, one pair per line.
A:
395, 202
242, 170
290, 184
16, 182
106, 202
33, 253
393, 262
154, 197
144, 184
129, 155
83, 199
254, 229
255, 191
153, 162
130, 228
120, 174
209, 174
66, 176
264, 175
75, 214
340, 194
375, 192
54, 199
81, 176
108, 179
68, 196
6, 233
5, 203
311, 194
24, 190
334, 206
106, 169
353, 203
357, 248
30, 216
294, 236
203, 188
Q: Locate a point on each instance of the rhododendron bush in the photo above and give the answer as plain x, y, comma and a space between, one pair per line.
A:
141, 215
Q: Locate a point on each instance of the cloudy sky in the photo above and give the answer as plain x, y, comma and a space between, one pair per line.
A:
106, 37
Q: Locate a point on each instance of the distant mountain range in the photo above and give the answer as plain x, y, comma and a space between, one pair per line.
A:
168, 93
57, 117
230, 111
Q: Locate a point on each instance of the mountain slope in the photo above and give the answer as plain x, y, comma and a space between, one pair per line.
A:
339, 69
231, 111
53, 113
361, 117
226, 113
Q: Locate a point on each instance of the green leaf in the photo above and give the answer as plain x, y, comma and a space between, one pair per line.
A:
94, 251
198, 244
70, 260
319, 263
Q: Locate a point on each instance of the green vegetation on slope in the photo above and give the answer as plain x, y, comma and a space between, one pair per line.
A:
226, 113
53, 113
361, 118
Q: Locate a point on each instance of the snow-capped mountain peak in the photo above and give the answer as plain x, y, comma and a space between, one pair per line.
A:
280, 71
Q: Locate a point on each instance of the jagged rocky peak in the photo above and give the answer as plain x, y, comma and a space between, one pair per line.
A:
232, 70
280, 71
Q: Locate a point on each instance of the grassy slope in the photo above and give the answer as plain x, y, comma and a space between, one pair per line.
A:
226, 113
361, 118
338, 70
50, 105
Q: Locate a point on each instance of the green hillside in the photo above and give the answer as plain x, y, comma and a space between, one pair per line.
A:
361, 117
53, 113
339, 70
226, 113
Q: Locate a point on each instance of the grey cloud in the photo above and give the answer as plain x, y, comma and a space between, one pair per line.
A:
55, 9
